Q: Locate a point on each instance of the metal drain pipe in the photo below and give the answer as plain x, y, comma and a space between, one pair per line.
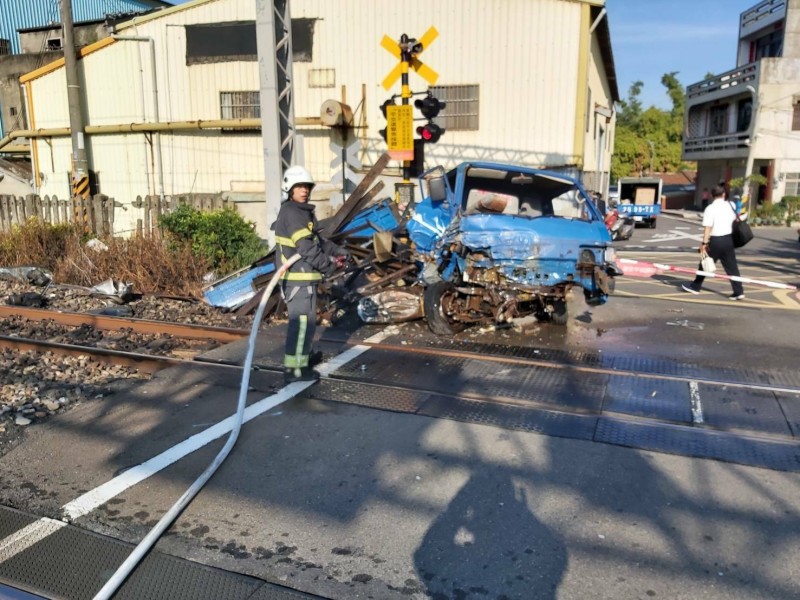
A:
151, 538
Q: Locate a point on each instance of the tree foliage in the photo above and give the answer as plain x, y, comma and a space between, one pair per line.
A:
651, 136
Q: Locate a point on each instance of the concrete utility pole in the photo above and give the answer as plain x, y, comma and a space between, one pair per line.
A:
274, 41
652, 154
80, 164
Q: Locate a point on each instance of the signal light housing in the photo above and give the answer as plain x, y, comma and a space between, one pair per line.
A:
430, 133
429, 106
385, 105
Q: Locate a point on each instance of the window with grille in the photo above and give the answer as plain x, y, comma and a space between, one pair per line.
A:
792, 184
462, 110
236, 41
240, 105
5, 47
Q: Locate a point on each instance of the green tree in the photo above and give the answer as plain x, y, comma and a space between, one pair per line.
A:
631, 109
637, 128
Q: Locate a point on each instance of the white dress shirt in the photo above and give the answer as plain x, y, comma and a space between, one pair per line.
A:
719, 215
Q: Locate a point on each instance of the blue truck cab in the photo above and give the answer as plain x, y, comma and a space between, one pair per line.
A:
501, 241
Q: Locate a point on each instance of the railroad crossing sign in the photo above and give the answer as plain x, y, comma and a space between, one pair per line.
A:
350, 154
415, 47
346, 175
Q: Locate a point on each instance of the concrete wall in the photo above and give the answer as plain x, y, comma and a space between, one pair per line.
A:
778, 90
35, 42
11, 95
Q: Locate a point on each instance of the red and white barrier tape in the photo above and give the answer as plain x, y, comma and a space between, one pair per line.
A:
638, 268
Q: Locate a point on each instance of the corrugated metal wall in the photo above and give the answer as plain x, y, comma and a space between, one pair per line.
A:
522, 53
22, 14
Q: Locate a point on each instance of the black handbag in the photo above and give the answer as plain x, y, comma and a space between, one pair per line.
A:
741, 231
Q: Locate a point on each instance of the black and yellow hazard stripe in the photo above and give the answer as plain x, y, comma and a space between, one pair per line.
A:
80, 187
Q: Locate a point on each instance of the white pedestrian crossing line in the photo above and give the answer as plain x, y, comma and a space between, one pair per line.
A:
84, 504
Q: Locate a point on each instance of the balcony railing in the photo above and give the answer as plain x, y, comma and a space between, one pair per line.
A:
723, 85
761, 15
718, 143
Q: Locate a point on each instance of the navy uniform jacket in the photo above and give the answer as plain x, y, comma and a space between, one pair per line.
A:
296, 232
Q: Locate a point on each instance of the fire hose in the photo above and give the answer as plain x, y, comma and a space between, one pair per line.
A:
152, 537
638, 268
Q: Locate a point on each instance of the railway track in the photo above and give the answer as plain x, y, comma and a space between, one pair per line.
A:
550, 391
499, 355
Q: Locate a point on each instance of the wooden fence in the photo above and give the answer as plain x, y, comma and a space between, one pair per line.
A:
154, 208
96, 214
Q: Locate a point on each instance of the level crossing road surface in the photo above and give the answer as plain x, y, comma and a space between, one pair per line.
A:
772, 256
650, 449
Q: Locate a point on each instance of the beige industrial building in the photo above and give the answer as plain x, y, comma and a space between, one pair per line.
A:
747, 120
527, 82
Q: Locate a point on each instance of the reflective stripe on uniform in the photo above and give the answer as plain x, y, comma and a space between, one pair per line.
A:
298, 359
295, 361
300, 234
284, 241
302, 276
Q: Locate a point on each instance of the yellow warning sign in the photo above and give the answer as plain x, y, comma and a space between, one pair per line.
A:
400, 132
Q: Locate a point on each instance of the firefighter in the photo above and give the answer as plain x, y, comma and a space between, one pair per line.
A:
296, 232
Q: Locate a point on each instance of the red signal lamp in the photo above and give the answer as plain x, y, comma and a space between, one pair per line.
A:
430, 133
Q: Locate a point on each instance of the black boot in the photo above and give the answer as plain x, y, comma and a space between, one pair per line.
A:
301, 374
315, 358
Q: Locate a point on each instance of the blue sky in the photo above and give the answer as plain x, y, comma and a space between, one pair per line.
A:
653, 37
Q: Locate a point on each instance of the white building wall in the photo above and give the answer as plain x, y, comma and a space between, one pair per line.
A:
778, 90
528, 87
600, 98
523, 54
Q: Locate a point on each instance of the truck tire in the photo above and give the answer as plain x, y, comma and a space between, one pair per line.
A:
437, 295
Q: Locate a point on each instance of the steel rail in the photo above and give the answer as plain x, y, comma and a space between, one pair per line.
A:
552, 364
142, 362
143, 326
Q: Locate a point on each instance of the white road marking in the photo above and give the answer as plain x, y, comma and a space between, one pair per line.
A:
21, 540
697, 406
102, 494
37, 531
674, 235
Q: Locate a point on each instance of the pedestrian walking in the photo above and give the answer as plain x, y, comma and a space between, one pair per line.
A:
296, 232
718, 220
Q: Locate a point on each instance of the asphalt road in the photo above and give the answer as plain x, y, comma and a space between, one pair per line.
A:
351, 502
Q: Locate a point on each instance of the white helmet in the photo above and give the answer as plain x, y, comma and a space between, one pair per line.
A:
293, 176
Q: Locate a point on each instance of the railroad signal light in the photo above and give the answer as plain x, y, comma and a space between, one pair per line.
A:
389, 102
429, 106
430, 133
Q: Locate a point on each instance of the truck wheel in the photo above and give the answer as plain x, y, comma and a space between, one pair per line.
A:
559, 316
437, 297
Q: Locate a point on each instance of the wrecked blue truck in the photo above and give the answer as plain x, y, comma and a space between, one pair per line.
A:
500, 242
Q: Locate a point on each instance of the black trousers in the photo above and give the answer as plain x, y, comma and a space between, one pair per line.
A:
301, 303
721, 248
